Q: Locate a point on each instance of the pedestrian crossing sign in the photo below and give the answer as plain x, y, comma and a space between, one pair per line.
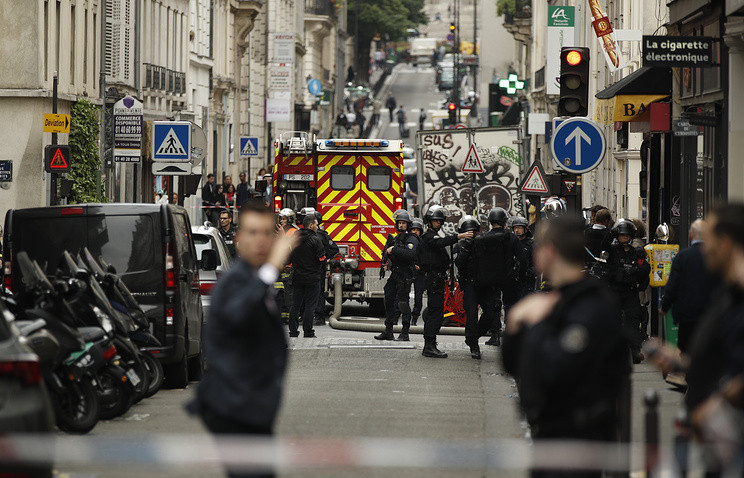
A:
534, 183
248, 146
171, 141
472, 163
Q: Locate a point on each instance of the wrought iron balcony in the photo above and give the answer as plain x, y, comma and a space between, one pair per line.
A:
320, 7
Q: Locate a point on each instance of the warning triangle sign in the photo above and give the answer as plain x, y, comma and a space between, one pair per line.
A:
58, 160
248, 149
472, 163
171, 145
534, 182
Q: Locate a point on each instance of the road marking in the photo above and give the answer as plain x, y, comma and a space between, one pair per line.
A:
138, 417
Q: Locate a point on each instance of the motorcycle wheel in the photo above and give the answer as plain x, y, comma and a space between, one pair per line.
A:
155, 372
141, 370
116, 396
77, 408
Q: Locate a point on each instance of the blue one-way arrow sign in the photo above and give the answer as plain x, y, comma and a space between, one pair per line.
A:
578, 145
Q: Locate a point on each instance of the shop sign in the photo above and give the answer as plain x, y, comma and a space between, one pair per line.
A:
673, 51
683, 127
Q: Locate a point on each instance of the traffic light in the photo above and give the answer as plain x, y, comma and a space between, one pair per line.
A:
452, 27
574, 96
452, 107
57, 158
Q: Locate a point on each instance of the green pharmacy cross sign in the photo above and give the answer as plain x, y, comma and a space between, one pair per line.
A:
512, 84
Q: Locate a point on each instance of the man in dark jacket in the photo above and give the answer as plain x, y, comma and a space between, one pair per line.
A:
628, 273
599, 235
689, 287
391, 104
331, 250
402, 259
419, 282
434, 262
245, 346
209, 198
228, 231
526, 282
307, 259
565, 347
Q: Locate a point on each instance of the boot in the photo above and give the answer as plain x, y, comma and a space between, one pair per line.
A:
495, 338
414, 320
387, 335
431, 350
403, 336
475, 351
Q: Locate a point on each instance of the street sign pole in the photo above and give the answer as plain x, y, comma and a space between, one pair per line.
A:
53, 176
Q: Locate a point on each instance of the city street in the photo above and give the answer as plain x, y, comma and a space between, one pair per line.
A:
346, 384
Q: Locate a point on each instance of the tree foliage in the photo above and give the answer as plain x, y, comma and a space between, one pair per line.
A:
86, 162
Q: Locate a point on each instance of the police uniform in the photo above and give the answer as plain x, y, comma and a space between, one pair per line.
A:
526, 281
229, 237
627, 273
398, 286
434, 264
571, 367
331, 250
419, 278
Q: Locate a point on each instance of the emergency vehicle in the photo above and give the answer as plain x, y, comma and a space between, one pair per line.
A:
356, 185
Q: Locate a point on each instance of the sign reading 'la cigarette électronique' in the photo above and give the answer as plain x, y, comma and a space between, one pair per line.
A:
696, 52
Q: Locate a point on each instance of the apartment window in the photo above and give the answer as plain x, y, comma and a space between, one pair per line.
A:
46, 40
57, 31
73, 32
85, 47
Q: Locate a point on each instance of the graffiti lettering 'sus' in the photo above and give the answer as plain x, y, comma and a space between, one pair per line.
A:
442, 140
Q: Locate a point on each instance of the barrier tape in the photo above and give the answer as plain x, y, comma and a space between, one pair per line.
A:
250, 453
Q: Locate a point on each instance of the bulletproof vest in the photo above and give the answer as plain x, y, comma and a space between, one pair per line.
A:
494, 259
431, 258
624, 271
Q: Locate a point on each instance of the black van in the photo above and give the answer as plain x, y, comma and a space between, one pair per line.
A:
151, 248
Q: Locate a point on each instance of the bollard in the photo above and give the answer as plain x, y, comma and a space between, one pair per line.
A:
682, 434
651, 400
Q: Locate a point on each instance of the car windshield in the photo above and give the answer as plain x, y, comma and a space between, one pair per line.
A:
203, 242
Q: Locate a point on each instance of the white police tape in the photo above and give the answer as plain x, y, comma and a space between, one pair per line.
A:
250, 453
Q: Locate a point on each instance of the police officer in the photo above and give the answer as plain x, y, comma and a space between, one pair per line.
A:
402, 256
473, 293
525, 283
418, 282
501, 261
228, 231
283, 286
331, 250
628, 272
565, 347
434, 262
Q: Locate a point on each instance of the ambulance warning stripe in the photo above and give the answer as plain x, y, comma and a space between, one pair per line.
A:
301, 161
343, 232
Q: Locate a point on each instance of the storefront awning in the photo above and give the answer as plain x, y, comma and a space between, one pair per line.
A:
628, 99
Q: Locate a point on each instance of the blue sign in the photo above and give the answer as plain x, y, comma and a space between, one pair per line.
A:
171, 141
450, 37
578, 145
6, 170
313, 86
248, 146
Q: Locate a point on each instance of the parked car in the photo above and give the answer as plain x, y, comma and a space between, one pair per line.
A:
24, 404
150, 245
208, 238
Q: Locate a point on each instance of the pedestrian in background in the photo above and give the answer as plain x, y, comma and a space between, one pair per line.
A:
401, 116
598, 235
306, 259
209, 197
245, 346
690, 286
422, 117
228, 231
714, 365
565, 347
376, 107
391, 104
242, 192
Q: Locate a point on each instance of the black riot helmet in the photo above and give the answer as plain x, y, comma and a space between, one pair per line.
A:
402, 215
624, 226
498, 215
467, 224
417, 224
519, 221
319, 217
435, 213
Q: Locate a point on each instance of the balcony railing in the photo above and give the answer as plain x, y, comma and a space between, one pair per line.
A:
320, 7
522, 9
163, 79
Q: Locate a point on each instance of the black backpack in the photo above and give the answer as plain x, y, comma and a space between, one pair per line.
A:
494, 259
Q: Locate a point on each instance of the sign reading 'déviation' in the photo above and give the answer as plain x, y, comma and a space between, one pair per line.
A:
677, 51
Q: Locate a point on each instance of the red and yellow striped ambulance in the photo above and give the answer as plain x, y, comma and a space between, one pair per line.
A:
356, 185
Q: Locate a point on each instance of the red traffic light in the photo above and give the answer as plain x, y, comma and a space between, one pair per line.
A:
451, 106
574, 57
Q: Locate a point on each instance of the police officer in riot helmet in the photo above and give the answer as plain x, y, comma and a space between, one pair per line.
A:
525, 283
331, 250
417, 227
401, 256
434, 262
501, 262
628, 272
465, 257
